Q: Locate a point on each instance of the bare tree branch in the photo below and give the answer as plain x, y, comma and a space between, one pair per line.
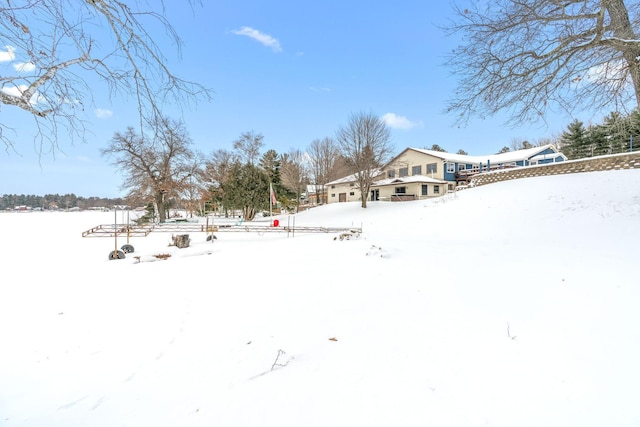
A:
323, 154
157, 169
525, 57
293, 173
248, 146
365, 142
56, 48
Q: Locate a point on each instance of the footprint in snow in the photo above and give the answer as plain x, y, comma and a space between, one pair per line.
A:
377, 251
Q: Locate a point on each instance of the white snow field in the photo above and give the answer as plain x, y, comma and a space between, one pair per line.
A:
512, 304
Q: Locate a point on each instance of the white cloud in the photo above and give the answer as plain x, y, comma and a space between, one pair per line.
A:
609, 73
102, 113
8, 55
15, 90
399, 122
265, 39
24, 67
613, 70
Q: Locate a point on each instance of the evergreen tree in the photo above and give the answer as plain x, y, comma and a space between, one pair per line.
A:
616, 130
599, 144
634, 131
247, 189
574, 140
270, 163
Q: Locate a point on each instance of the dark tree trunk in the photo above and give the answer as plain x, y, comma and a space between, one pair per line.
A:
248, 213
161, 206
623, 30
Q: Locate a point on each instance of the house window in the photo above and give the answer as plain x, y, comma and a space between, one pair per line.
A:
401, 190
424, 189
404, 172
351, 193
416, 170
391, 173
436, 189
432, 168
332, 187
451, 167
352, 184
333, 195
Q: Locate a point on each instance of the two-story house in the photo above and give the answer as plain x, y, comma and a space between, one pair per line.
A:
419, 174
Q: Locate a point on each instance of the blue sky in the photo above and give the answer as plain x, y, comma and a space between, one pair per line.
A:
291, 71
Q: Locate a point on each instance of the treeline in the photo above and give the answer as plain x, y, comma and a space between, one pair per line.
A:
616, 134
56, 201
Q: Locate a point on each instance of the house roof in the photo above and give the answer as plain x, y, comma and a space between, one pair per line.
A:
508, 157
407, 180
547, 156
352, 178
311, 188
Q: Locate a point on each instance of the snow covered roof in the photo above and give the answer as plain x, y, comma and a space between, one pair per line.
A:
508, 157
352, 178
547, 156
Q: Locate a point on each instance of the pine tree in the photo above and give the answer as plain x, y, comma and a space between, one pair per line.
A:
247, 189
574, 140
270, 163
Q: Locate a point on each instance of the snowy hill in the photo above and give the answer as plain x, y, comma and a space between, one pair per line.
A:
512, 304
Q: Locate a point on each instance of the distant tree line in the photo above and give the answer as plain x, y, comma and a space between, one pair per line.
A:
56, 201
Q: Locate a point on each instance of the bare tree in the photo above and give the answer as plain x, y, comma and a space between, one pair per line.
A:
193, 190
365, 142
527, 57
56, 46
293, 173
156, 169
341, 168
216, 172
248, 146
323, 154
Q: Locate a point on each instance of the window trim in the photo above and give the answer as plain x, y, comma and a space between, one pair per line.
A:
450, 167
396, 190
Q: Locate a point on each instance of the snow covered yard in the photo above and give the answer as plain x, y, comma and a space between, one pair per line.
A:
517, 303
